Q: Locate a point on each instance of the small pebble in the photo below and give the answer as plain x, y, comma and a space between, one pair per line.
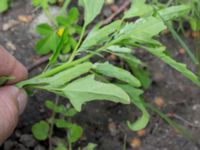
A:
135, 143
112, 128
10, 45
24, 18
159, 101
8, 145
10, 24
141, 133
158, 76
181, 51
39, 147
28, 140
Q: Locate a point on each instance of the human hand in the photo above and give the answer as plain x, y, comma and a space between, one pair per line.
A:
12, 99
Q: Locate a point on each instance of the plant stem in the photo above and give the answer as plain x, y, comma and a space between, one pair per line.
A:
169, 3
65, 5
178, 38
62, 67
78, 44
197, 55
73, 63
50, 16
52, 124
182, 43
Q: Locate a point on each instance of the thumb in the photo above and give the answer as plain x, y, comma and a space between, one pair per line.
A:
12, 104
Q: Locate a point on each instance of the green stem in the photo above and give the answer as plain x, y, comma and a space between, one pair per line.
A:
50, 16
52, 125
61, 67
78, 44
169, 3
179, 40
65, 5
182, 43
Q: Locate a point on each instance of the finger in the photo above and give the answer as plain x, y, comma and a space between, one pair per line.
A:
9, 66
12, 104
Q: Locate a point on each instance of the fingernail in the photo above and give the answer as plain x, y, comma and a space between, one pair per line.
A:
22, 100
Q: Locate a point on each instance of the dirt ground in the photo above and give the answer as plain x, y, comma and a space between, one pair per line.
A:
104, 123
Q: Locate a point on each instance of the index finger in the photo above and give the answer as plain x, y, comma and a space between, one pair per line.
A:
9, 66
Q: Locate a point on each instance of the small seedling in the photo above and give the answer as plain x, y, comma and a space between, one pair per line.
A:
43, 130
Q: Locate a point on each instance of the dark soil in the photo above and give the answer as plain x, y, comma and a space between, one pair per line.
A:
104, 123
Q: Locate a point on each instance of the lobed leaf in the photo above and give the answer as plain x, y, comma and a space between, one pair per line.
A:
143, 29
97, 36
135, 66
116, 72
182, 68
139, 9
136, 100
65, 76
174, 12
87, 89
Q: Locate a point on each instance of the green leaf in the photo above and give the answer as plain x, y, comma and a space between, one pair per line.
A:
119, 49
44, 29
92, 9
49, 104
70, 112
129, 58
87, 89
61, 123
137, 101
139, 9
59, 47
62, 20
75, 133
40, 130
73, 15
174, 12
90, 146
61, 78
65, 76
116, 72
182, 68
61, 147
3, 5
52, 1
42, 3
97, 36
55, 108
47, 44
81, 3
135, 66
195, 24
143, 29
36, 3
